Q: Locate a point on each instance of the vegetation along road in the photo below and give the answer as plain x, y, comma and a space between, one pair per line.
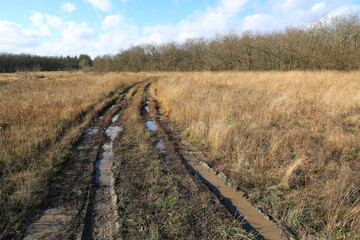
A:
141, 156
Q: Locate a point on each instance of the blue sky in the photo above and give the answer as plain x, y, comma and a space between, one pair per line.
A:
98, 27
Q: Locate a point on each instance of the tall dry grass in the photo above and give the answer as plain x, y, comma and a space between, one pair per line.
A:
38, 111
295, 132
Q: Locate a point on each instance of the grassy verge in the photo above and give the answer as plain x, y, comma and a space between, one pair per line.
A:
158, 199
290, 140
41, 121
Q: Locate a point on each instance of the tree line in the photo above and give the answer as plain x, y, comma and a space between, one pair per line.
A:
328, 44
10, 63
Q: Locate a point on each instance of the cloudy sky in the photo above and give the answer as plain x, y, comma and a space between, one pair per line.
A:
99, 27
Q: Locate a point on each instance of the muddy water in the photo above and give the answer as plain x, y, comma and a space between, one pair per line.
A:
161, 146
104, 223
151, 125
104, 165
114, 119
147, 109
237, 204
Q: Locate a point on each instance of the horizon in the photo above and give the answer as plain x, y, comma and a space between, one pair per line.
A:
100, 27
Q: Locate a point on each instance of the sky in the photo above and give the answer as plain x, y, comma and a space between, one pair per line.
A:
99, 27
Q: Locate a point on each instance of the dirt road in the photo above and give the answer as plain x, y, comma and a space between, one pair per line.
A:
132, 177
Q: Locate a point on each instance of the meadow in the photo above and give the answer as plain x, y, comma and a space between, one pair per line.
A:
289, 140
41, 116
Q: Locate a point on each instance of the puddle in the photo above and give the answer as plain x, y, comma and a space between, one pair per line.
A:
112, 107
237, 205
161, 146
104, 165
101, 117
92, 131
112, 132
87, 138
161, 118
151, 125
104, 207
115, 118
147, 106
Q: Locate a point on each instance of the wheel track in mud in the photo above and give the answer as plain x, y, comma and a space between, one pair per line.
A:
252, 219
86, 222
69, 216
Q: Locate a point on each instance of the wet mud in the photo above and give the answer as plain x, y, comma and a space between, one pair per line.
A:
253, 220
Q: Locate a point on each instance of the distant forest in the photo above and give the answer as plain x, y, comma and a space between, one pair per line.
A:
10, 63
328, 44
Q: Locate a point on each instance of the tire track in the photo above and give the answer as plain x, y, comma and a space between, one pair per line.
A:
68, 216
253, 221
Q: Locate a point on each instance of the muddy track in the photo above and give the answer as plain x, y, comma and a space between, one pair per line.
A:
87, 205
252, 219
80, 191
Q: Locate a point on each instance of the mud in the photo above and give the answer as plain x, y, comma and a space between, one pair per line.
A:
88, 190
53, 221
161, 146
252, 219
237, 204
104, 216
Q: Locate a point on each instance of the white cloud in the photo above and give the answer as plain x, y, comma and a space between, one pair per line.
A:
13, 37
113, 22
231, 6
259, 22
205, 23
37, 18
51, 35
54, 21
103, 5
318, 6
68, 7
77, 32
344, 10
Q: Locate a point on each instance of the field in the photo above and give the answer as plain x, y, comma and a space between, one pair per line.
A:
41, 117
288, 141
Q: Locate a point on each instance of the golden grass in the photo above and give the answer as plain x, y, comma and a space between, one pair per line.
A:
296, 131
36, 110
40, 114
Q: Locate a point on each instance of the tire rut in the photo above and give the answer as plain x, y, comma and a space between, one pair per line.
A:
252, 220
80, 210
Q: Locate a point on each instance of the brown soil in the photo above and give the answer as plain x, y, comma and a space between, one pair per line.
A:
141, 185
195, 160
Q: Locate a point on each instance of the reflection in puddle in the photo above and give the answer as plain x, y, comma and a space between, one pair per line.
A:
92, 131
151, 125
147, 107
101, 117
160, 146
104, 165
112, 107
115, 118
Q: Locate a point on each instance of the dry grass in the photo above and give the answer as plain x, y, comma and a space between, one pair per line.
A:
297, 132
38, 112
